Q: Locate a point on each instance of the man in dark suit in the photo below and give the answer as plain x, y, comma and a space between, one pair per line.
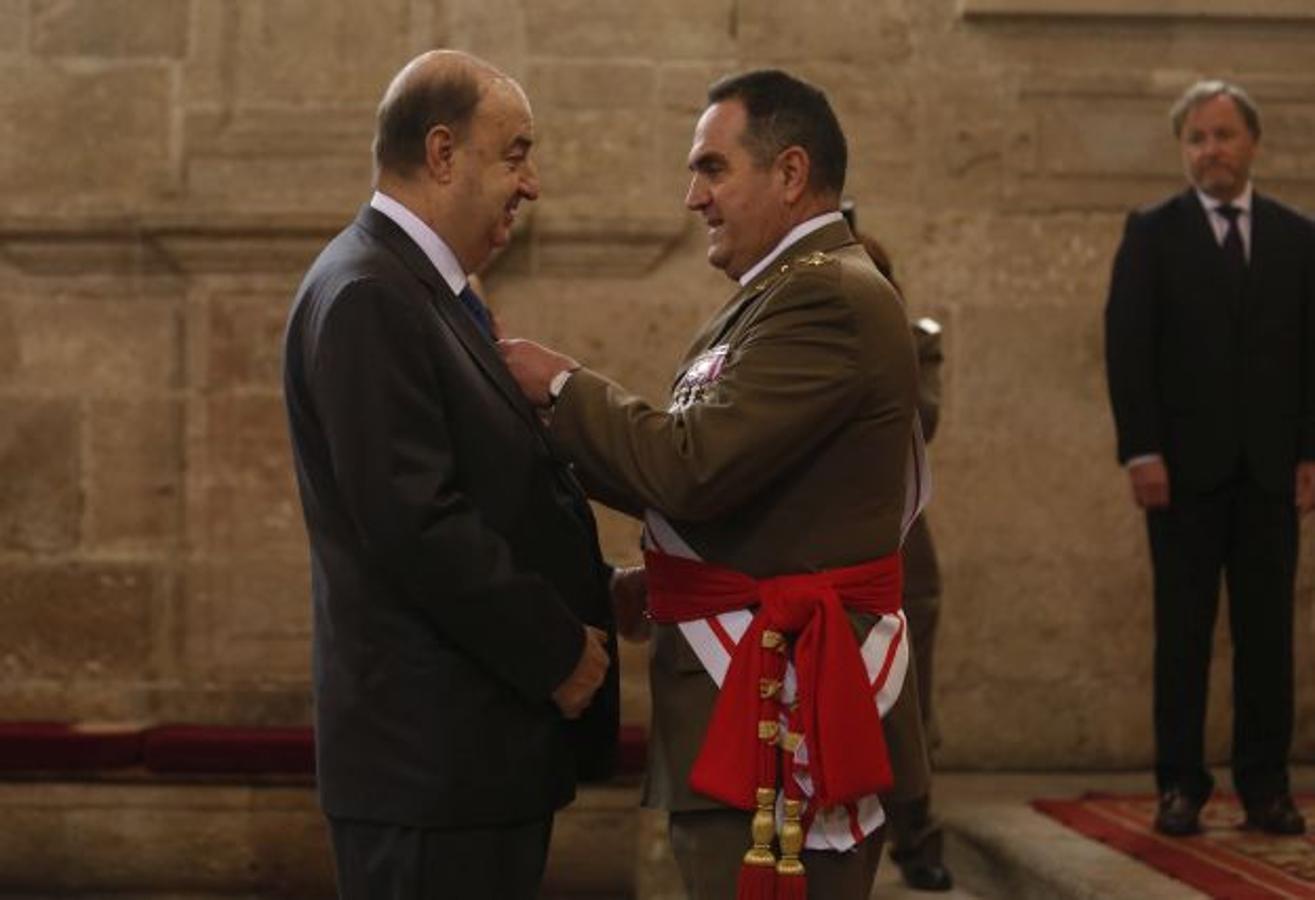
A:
779, 464
1210, 347
459, 597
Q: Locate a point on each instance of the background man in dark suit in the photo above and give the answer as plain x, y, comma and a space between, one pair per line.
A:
1210, 346
783, 451
454, 561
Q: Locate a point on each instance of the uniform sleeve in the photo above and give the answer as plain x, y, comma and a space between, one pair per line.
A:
1131, 336
780, 392
930, 359
375, 391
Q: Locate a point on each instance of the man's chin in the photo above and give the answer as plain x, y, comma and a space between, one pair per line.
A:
1222, 190
1220, 185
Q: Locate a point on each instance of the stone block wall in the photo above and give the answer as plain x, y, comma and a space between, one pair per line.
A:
169, 167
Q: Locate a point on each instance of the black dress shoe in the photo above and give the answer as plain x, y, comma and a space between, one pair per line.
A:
1277, 815
924, 876
1179, 814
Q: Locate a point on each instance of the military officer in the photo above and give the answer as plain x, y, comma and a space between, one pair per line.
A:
773, 490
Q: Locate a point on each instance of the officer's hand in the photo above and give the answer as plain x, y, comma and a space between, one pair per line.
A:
575, 694
1150, 484
630, 603
534, 366
1305, 488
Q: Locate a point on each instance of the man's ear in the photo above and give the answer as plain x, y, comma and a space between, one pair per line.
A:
794, 167
440, 150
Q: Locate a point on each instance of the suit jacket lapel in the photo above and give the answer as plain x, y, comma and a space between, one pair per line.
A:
446, 305
481, 350
1262, 231
1208, 257
1200, 233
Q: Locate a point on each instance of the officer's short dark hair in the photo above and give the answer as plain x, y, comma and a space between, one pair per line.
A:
1202, 91
406, 115
784, 111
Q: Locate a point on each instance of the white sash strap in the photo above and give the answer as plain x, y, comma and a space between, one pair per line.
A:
917, 479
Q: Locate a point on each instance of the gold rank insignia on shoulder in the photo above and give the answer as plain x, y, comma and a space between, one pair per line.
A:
816, 258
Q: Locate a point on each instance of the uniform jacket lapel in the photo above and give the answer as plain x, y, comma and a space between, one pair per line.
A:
827, 238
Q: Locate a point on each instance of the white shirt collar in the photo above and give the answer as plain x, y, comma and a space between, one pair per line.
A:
804, 228
1242, 201
439, 253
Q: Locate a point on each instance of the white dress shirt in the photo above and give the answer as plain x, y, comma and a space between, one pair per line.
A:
1219, 222
808, 226
433, 246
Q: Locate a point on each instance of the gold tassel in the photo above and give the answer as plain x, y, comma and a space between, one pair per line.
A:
790, 881
758, 870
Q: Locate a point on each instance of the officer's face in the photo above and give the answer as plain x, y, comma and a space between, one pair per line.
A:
1217, 148
741, 201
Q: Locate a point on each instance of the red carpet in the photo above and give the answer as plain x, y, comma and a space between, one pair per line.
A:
1224, 861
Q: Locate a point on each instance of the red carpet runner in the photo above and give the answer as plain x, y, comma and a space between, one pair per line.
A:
1224, 861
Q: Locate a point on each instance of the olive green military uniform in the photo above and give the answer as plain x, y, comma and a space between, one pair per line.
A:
784, 450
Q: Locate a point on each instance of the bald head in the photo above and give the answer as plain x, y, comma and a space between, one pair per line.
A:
441, 87
453, 146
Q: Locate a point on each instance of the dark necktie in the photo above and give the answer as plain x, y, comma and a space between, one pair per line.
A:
478, 311
1234, 254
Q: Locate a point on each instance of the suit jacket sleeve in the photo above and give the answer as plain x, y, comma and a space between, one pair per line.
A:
610, 493
781, 390
1306, 448
1131, 332
376, 391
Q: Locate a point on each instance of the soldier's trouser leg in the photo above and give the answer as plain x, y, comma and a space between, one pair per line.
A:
914, 835
709, 845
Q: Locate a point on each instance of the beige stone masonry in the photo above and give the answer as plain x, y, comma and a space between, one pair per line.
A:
682, 29
109, 29
79, 342
88, 621
83, 136
1187, 9
13, 25
134, 490
40, 500
248, 622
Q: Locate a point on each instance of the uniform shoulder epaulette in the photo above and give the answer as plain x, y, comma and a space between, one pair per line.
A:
814, 259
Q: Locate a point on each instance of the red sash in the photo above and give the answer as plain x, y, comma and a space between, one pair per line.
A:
834, 712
